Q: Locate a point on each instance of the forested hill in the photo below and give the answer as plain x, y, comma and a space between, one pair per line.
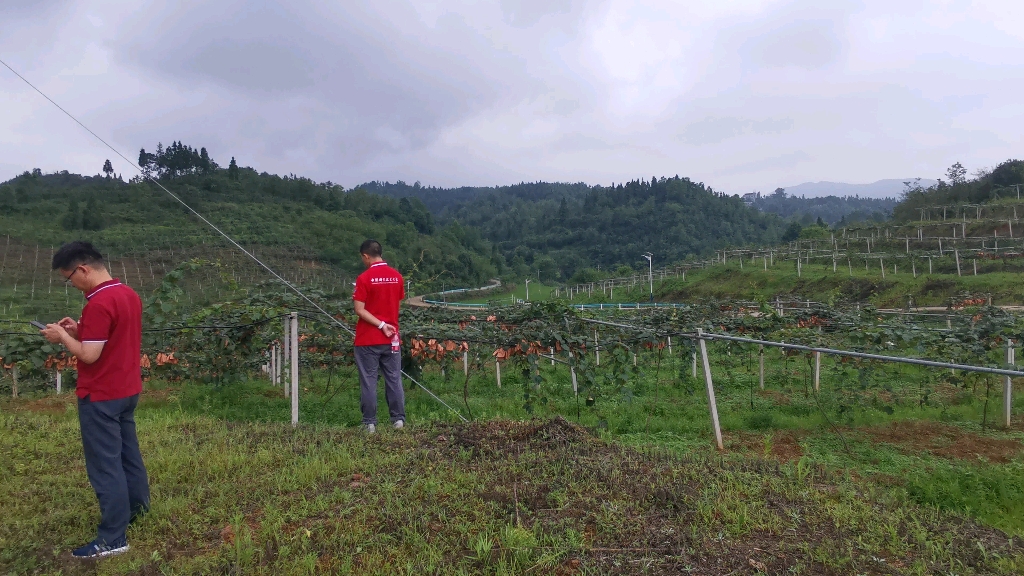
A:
833, 210
1004, 181
258, 209
442, 200
558, 234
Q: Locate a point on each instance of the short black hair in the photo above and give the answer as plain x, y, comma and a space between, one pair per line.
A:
371, 248
75, 254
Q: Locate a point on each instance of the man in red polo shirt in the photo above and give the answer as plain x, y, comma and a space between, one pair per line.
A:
107, 342
379, 291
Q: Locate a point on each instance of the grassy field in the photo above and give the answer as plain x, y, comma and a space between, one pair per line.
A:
903, 480
538, 291
817, 282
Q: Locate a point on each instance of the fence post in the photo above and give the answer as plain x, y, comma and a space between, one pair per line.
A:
956, 253
271, 366
575, 388
14, 386
760, 364
280, 368
1008, 385
711, 389
294, 362
286, 358
465, 363
276, 351
497, 371
669, 345
817, 371
59, 383
552, 351
597, 349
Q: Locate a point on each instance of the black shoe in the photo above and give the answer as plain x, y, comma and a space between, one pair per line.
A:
100, 549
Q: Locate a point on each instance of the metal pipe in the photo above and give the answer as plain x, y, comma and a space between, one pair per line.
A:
850, 353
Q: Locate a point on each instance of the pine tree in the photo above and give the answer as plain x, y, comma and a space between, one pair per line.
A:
146, 161
108, 168
233, 170
205, 164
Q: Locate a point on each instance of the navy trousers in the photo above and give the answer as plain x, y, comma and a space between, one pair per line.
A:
114, 463
371, 361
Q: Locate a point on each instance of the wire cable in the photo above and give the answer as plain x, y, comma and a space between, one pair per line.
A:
212, 225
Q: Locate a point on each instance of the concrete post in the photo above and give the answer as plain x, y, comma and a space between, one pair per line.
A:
712, 405
1011, 359
760, 365
294, 362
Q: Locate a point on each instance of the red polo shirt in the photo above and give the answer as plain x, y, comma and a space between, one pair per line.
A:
382, 289
113, 315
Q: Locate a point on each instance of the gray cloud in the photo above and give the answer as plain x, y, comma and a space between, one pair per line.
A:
387, 89
715, 130
523, 13
740, 96
783, 161
806, 44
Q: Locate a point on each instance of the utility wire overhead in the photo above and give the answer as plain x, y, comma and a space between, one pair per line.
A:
212, 225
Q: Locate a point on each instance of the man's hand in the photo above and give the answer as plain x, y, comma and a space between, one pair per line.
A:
388, 330
87, 352
69, 325
54, 333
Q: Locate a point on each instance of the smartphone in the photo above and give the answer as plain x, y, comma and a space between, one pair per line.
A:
37, 324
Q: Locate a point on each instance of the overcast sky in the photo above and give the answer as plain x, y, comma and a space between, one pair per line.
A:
741, 94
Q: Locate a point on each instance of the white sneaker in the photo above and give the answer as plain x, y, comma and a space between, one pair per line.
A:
399, 424
370, 428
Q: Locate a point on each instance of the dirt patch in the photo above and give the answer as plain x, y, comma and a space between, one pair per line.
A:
508, 436
861, 290
783, 445
157, 396
48, 405
945, 441
938, 287
775, 396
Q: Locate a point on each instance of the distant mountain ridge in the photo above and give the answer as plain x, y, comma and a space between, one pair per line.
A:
889, 188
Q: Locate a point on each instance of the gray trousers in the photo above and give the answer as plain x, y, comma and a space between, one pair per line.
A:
370, 359
114, 463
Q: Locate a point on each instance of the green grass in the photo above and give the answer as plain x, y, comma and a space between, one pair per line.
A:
494, 498
538, 291
818, 283
912, 485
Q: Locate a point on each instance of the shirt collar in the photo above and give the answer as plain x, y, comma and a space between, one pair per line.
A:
103, 286
381, 263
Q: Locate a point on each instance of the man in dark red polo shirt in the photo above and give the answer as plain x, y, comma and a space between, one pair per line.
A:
107, 342
379, 291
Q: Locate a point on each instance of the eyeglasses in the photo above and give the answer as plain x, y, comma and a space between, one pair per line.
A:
68, 279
